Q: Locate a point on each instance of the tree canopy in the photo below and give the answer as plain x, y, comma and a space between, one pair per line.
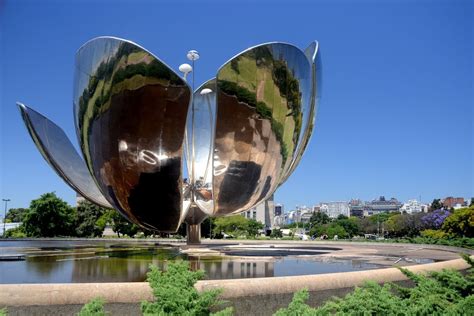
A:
237, 225
49, 216
15, 215
91, 219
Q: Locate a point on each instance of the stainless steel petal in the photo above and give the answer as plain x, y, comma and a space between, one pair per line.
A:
314, 56
200, 144
263, 104
61, 155
130, 112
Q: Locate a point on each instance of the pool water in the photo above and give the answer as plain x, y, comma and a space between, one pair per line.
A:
86, 261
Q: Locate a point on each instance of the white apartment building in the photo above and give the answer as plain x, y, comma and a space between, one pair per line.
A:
413, 206
334, 209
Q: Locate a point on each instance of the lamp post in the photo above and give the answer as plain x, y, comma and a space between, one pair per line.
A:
5, 215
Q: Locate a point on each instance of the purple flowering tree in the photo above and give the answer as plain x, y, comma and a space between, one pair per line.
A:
435, 219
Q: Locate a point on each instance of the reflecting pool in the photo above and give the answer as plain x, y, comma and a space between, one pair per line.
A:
102, 261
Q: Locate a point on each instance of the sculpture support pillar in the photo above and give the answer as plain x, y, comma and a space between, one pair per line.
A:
193, 233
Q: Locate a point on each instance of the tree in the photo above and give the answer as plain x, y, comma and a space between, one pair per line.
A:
276, 233
435, 219
89, 220
122, 226
405, 225
350, 225
436, 205
460, 223
472, 202
49, 216
15, 215
367, 226
319, 218
253, 227
331, 230
237, 225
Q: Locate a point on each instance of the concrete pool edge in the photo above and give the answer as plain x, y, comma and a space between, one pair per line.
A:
130, 292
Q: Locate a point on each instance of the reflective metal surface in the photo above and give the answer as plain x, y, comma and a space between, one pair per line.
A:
200, 144
242, 135
130, 110
61, 155
314, 56
264, 100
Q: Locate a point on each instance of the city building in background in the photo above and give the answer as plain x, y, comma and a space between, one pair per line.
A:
381, 205
280, 220
452, 202
263, 213
279, 209
413, 206
334, 209
357, 208
316, 209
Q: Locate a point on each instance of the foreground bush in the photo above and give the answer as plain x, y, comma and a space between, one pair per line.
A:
93, 308
175, 294
16, 232
440, 293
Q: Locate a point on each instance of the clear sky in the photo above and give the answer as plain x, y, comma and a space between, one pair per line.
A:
396, 118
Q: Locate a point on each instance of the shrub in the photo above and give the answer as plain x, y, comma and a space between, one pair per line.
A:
433, 233
93, 308
276, 233
440, 293
175, 293
16, 232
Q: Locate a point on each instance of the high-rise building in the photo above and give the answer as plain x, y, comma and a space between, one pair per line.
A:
263, 212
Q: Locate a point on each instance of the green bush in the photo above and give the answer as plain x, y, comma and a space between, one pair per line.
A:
331, 230
16, 232
175, 294
93, 308
460, 223
433, 233
440, 293
276, 233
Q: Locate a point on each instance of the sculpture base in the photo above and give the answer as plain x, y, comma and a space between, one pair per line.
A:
193, 233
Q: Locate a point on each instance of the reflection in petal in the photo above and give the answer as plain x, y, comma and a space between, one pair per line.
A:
314, 56
130, 113
263, 97
199, 144
58, 151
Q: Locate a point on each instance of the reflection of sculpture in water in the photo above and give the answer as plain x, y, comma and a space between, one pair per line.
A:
133, 268
239, 135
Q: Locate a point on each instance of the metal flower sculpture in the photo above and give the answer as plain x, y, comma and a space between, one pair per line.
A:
161, 154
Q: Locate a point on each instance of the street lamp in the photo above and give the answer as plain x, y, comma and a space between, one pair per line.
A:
5, 215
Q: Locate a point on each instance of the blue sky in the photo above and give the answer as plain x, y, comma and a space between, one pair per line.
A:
396, 118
